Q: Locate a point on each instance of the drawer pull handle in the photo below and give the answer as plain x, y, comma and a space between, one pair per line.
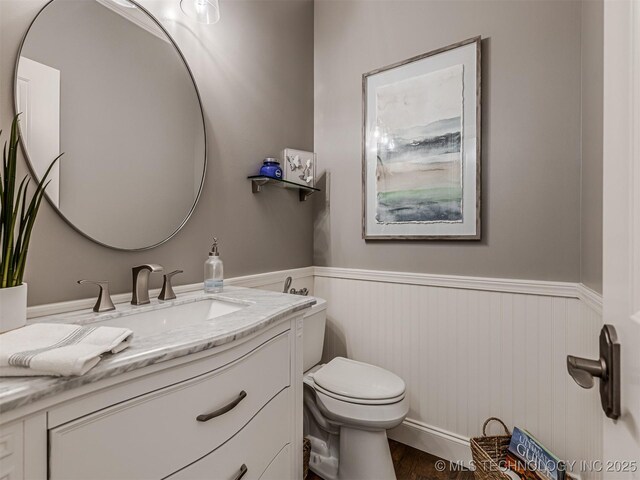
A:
243, 470
205, 417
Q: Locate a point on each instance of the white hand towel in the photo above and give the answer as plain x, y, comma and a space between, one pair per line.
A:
58, 349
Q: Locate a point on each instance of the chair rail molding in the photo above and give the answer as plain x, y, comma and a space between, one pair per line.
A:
260, 280
489, 284
591, 298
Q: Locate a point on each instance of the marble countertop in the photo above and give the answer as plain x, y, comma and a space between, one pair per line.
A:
259, 310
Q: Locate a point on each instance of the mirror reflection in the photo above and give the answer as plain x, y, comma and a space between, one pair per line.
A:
102, 82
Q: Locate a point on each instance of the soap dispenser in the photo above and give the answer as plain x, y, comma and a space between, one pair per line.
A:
213, 274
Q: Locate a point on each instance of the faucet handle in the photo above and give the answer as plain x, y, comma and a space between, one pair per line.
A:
104, 303
167, 292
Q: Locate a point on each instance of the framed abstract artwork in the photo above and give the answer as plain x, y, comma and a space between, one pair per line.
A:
421, 147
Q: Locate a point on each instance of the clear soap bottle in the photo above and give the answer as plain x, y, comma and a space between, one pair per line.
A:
213, 270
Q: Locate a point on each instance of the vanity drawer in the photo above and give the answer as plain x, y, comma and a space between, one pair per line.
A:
156, 434
251, 450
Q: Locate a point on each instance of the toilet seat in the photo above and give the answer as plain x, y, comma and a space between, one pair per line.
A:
357, 382
357, 401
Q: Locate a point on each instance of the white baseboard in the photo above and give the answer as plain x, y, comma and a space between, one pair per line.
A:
436, 441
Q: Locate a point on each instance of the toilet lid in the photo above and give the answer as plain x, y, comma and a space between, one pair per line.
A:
358, 380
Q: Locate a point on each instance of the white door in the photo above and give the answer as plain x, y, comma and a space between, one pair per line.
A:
621, 290
38, 99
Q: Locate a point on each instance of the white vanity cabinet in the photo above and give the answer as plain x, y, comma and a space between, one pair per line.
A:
227, 413
11, 451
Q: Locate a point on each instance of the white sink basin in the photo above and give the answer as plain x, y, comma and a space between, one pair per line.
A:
171, 317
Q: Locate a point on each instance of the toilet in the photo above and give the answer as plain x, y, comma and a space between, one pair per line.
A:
348, 408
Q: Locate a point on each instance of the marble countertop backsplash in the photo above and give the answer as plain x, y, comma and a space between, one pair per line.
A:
261, 309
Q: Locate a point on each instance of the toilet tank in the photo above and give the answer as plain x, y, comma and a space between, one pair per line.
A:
313, 325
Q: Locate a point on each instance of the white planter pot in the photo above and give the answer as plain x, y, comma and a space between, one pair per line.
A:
13, 307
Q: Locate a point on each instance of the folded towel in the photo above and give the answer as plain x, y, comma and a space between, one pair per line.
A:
58, 349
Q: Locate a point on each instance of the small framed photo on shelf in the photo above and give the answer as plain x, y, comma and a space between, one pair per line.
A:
299, 166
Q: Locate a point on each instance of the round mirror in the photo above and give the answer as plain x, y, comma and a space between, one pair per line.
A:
103, 82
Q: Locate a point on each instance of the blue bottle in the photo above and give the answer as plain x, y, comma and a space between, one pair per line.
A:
271, 168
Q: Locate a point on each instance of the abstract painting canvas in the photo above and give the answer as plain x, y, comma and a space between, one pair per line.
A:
421, 146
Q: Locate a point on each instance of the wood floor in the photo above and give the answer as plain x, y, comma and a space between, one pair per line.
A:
412, 464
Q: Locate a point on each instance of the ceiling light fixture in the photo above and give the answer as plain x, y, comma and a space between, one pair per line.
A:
124, 3
203, 11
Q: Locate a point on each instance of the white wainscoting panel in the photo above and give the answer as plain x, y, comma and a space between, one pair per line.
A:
467, 354
467, 347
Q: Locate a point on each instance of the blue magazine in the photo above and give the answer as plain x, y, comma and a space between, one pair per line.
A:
535, 456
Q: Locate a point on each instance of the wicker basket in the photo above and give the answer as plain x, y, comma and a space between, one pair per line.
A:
306, 456
489, 453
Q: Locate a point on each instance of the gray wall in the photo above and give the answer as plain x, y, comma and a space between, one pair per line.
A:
255, 73
531, 131
591, 188
129, 118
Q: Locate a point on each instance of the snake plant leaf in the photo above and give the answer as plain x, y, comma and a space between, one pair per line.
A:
8, 267
22, 261
23, 225
18, 213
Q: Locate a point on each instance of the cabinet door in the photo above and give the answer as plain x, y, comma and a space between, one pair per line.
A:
11, 451
251, 450
153, 435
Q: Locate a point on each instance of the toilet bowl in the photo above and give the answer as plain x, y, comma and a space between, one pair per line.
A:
348, 407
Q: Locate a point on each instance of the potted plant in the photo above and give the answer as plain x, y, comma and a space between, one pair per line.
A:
17, 217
